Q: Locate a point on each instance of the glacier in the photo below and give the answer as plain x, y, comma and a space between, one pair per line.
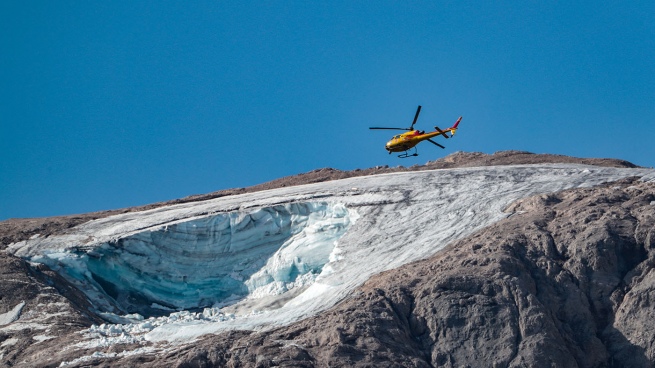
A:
265, 259
206, 261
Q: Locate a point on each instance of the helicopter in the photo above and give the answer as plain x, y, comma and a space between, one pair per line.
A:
406, 141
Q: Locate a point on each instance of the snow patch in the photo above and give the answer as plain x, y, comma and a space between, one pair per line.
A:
103, 355
41, 338
12, 315
9, 342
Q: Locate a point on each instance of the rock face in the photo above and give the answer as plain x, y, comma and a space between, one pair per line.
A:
566, 281
37, 308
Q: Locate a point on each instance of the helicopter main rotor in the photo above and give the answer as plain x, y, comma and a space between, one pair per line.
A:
411, 127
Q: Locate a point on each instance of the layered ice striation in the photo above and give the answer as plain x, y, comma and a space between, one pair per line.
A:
207, 261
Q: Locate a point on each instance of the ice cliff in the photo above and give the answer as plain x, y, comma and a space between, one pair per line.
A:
206, 261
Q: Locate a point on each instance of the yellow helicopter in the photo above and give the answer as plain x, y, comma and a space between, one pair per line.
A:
406, 141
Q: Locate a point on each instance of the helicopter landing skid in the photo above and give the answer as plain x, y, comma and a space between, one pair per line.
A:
407, 154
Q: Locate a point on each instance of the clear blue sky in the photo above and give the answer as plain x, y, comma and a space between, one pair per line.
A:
109, 104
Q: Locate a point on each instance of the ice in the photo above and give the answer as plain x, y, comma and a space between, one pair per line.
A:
9, 342
204, 261
42, 338
12, 315
96, 355
269, 258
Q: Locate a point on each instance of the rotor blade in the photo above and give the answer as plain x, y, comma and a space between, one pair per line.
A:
433, 142
389, 128
418, 111
441, 132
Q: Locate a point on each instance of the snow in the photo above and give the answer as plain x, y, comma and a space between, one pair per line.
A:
42, 338
9, 342
102, 355
12, 315
265, 259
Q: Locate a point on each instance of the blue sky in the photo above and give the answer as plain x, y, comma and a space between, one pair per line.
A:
109, 104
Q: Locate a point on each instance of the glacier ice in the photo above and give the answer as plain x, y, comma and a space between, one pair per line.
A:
207, 261
269, 258
12, 315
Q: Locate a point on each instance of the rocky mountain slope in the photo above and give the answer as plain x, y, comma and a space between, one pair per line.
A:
566, 280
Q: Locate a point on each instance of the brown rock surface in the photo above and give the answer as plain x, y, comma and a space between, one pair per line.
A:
51, 308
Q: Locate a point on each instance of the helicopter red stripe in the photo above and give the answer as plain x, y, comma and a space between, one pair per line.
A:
456, 123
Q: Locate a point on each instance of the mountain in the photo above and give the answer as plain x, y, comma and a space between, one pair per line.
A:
511, 259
